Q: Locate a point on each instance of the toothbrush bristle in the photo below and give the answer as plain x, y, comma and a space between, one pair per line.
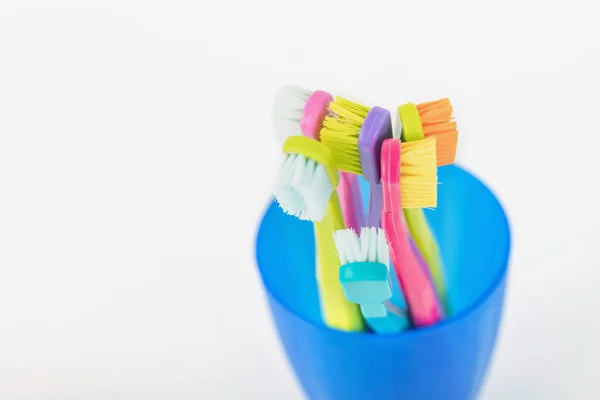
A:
340, 133
347, 245
418, 173
435, 112
369, 246
302, 187
383, 251
287, 111
437, 121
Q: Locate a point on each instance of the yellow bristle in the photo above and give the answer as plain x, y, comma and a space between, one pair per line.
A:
354, 108
418, 173
340, 131
437, 121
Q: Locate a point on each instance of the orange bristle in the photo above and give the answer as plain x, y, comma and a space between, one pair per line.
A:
437, 121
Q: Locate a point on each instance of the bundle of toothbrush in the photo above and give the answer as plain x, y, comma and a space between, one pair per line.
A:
328, 143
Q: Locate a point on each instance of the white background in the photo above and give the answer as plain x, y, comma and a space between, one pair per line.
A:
136, 157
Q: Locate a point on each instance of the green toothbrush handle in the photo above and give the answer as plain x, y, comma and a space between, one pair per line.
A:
337, 312
427, 245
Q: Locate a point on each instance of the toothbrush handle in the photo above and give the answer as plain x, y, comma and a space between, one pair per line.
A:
419, 257
418, 290
375, 205
337, 311
427, 245
373, 310
389, 324
351, 200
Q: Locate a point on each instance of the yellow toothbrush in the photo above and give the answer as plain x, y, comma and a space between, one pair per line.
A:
305, 187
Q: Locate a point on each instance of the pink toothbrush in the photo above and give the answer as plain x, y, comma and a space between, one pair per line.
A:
425, 308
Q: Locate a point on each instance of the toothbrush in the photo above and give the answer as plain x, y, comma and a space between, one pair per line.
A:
420, 294
432, 119
364, 276
305, 188
299, 112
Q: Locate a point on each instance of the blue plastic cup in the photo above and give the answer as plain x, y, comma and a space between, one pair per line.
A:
444, 362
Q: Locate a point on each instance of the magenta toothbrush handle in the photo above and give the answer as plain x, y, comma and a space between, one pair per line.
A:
351, 201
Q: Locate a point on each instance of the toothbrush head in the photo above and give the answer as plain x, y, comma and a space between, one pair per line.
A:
306, 179
341, 131
376, 128
298, 111
431, 119
364, 273
410, 168
437, 121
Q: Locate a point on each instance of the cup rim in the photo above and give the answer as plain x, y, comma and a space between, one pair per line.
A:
455, 318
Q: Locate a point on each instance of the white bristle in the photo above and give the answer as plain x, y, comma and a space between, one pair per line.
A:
383, 249
287, 111
370, 246
348, 245
302, 187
